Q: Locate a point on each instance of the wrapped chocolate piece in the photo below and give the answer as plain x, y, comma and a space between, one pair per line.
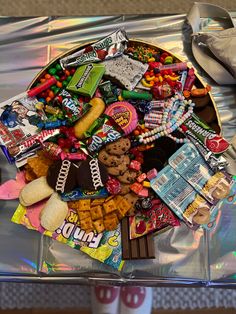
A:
109, 47
106, 130
108, 92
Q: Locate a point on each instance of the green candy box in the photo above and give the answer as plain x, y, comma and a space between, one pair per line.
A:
86, 79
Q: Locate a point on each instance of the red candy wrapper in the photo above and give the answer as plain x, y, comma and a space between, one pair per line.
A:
30, 142
109, 47
155, 219
104, 130
162, 91
113, 186
71, 107
195, 127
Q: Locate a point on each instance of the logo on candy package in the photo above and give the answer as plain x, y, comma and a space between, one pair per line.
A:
104, 247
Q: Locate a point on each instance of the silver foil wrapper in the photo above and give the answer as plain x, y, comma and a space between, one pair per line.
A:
109, 47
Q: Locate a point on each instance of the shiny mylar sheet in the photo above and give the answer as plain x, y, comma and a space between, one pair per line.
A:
182, 256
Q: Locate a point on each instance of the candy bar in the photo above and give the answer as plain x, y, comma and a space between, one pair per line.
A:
196, 127
86, 79
141, 248
103, 131
157, 218
28, 143
78, 194
71, 107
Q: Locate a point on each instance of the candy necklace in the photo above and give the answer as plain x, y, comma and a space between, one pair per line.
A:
178, 98
168, 127
170, 106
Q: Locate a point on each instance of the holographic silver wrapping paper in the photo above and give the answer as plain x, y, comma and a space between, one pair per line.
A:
182, 256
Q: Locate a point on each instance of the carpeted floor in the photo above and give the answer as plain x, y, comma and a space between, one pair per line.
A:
50, 296
84, 311
100, 7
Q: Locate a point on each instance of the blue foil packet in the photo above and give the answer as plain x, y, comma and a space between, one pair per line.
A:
78, 194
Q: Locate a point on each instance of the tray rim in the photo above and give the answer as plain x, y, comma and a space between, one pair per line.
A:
180, 58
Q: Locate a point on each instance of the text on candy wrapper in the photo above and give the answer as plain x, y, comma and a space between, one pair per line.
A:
69, 229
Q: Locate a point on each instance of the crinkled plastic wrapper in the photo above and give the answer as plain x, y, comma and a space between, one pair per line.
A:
109, 47
104, 247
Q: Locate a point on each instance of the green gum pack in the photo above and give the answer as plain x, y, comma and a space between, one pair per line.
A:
86, 79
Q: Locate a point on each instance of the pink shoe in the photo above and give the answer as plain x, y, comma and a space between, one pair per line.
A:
105, 299
136, 300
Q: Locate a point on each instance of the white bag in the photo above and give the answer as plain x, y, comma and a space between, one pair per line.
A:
215, 52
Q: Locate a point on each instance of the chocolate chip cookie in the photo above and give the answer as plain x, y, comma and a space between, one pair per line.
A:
128, 177
120, 169
119, 147
109, 160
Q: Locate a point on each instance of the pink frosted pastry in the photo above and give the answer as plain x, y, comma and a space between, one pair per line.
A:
124, 114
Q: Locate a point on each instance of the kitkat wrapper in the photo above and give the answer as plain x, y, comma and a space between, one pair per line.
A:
104, 247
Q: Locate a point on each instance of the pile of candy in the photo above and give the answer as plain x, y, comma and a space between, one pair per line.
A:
116, 129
